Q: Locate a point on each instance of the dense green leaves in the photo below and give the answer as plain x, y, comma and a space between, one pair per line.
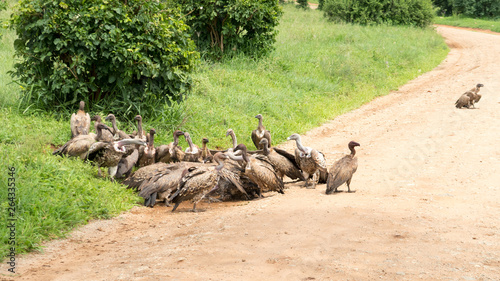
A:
225, 27
128, 57
398, 12
477, 8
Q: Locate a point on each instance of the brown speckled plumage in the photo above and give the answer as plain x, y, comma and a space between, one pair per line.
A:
80, 122
171, 152
260, 133
342, 170
311, 161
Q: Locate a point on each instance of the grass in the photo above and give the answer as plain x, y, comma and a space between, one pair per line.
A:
318, 71
462, 21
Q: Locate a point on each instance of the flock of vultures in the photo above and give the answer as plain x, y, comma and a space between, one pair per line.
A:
170, 174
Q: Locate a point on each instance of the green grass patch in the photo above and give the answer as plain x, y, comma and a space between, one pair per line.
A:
462, 21
318, 71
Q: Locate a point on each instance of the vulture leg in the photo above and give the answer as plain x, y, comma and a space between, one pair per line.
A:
348, 187
99, 173
306, 176
194, 208
175, 207
315, 177
112, 172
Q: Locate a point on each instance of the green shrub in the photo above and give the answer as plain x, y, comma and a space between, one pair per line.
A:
303, 4
477, 8
445, 7
397, 12
321, 3
225, 27
3, 6
127, 57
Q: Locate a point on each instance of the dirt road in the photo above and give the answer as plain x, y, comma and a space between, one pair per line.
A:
426, 207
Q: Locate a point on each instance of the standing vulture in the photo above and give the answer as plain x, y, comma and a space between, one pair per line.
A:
260, 133
311, 161
469, 98
284, 162
260, 170
342, 170
80, 122
171, 152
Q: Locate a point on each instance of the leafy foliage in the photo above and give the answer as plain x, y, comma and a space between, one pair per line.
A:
477, 8
3, 6
397, 12
303, 4
125, 57
226, 27
321, 3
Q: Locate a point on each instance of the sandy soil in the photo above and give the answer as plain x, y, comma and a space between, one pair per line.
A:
426, 207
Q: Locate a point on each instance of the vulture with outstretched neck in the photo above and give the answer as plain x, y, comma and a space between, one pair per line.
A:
261, 171
469, 98
117, 134
260, 133
171, 152
284, 162
80, 122
311, 161
140, 133
206, 155
148, 153
192, 152
342, 170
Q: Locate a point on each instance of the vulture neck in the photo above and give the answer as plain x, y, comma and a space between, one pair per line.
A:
260, 128
300, 146
266, 148
233, 137
191, 145
151, 143
353, 151
113, 123
220, 162
139, 128
176, 140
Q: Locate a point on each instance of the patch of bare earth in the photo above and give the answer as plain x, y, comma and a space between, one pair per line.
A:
426, 207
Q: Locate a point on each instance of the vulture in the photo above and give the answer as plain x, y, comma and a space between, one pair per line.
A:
469, 98
260, 133
109, 154
283, 162
80, 145
193, 152
126, 164
117, 134
140, 134
342, 170
80, 122
311, 161
107, 135
148, 153
198, 181
231, 133
206, 155
261, 171
171, 152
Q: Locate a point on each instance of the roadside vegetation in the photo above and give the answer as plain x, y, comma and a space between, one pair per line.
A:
463, 21
317, 71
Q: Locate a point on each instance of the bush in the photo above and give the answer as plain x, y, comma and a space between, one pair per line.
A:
398, 12
303, 4
226, 27
445, 7
321, 3
125, 57
477, 8
3, 6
